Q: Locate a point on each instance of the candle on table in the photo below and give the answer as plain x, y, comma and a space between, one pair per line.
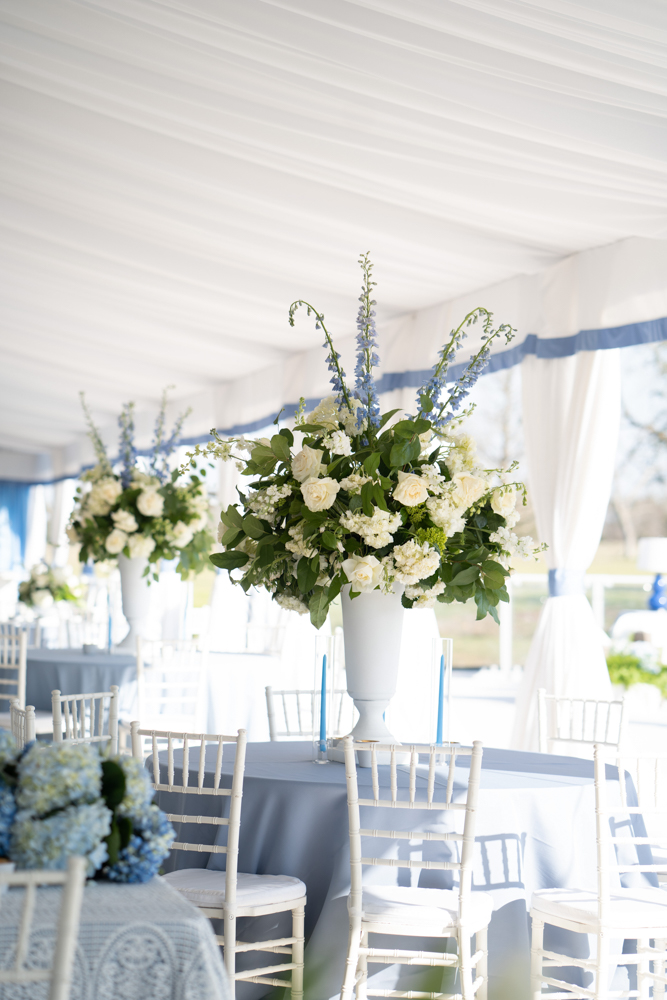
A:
323, 707
441, 697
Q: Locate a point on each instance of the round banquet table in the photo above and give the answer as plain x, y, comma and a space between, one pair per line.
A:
535, 829
71, 671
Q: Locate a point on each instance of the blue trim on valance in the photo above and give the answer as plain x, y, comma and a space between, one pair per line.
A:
631, 335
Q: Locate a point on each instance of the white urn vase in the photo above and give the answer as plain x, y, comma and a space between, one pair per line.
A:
136, 599
372, 630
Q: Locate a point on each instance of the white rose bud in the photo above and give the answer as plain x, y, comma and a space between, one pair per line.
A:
150, 502
468, 489
115, 542
125, 521
319, 494
307, 464
411, 489
503, 502
363, 572
140, 546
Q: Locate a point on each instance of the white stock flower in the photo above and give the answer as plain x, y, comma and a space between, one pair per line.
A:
503, 501
363, 572
291, 603
411, 489
468, 489
125, 521
42, 599
376, 530
319, 494
149, 502
445, 515
338, 443
140, 546
307, 464
297, 544
433, 478
115, 542
415, 561
461, 454
180, 535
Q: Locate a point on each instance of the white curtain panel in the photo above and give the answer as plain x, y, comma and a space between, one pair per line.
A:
571, 410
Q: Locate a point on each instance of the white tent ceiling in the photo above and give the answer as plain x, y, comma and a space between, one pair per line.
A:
174, 174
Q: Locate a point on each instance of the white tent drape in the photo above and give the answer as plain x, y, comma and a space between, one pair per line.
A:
571, 412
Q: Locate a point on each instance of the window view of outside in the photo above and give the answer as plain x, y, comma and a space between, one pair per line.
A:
638, 506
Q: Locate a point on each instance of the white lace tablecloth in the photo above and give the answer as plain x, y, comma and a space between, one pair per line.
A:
138, 942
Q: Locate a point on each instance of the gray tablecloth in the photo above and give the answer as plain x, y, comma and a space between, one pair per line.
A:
72, 671
138, 942
535, 829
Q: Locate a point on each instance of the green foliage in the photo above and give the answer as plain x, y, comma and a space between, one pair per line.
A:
627, 670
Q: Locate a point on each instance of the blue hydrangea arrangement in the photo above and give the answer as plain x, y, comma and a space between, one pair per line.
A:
60, 799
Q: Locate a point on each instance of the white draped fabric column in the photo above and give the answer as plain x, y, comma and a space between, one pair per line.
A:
571, 413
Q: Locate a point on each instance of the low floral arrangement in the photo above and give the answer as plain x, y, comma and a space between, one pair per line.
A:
47, 585
60, 799
371, 503
142, 512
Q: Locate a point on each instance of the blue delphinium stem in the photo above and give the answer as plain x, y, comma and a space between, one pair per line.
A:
128, 452
365, 388
162, 449
94, 435
333, 357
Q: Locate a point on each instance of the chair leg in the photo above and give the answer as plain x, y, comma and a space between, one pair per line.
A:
465, 964
362, 978
297, 952
230, 945
482, 967
602, 968
536, 959
351, 961
659, 968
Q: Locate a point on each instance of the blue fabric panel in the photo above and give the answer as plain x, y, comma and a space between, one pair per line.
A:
13, 523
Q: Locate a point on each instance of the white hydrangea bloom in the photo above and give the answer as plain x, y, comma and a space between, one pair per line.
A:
354, 482
338, 443
325, 413
291, 603
297, 545
377, 530
415, 561
446, 515
425, 598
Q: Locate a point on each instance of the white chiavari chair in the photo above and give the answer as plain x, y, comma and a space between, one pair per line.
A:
613, 912
295, 714
87, 718
59, 974
22, 723
170, 684
13, 665
231, 894
411, 911
33, 631
578, 724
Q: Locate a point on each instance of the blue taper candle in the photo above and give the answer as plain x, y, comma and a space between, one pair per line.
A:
323, 706
441, 698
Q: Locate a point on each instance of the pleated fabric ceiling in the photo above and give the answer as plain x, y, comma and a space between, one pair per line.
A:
174, 174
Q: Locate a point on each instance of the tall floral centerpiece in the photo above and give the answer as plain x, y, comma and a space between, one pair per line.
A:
48, 585
140, 513
393, 511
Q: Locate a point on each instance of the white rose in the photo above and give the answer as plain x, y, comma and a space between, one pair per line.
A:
503, 502
319, 494
125, 521
109, 489
140, 546
468, 489
363, 572
411, 489
180, 535
42, 599
150, 502
307, 464
116, 541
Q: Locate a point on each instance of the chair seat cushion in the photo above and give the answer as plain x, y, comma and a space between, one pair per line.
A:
207, 888
628, 907
423, 908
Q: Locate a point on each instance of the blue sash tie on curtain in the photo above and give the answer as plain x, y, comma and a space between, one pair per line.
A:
13, 523
564, 582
